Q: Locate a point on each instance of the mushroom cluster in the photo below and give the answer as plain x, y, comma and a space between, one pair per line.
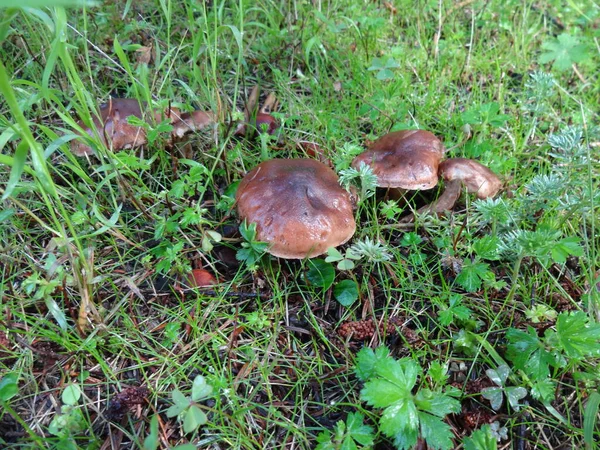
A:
412, 160
117, 133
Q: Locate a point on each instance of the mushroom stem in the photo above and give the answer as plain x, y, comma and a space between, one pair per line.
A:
445, 202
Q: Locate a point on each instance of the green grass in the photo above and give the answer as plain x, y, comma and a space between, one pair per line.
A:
103, 235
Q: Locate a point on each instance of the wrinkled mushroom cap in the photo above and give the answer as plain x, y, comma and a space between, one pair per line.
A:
407, 159
477, 178
298, 206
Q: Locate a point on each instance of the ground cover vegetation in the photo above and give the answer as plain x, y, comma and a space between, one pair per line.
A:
137, 313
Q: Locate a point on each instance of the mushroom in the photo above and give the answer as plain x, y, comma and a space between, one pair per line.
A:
116, 133
407, 159
459, 172
298, 206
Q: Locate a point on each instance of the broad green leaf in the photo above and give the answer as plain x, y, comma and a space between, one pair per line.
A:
406, 439
151, 441
179, 399
200, 389
320, 273
403, 373
324, 441
494, 395
71, 394
514, 394
194, 418
346, 292
499, 375
9, 386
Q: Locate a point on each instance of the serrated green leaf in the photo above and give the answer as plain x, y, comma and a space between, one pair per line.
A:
577, 336
436, 403
406, 439
471, 275
193, 419
366, 360
324, 441
482, 439
544, 390
382, 393
402, 415
527, 353
436, 432
346, 292
361, 433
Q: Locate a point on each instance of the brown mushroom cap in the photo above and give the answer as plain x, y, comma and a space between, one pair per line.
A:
298, 206
477, 178
118, 134
407, 159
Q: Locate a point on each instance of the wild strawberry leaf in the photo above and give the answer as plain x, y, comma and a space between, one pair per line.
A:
436, 432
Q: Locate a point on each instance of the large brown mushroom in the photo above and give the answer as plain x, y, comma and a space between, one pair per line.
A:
298, 206
407, 159
116, 133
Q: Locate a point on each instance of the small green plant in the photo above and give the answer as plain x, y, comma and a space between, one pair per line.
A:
389, 384
574, 340
390, 209
495, 394
350, 435
484, 115
252, 250
373, 251
71, 421
384, 68
454, 311
187, 409
345, 261
563, 52
363, 178
482, 439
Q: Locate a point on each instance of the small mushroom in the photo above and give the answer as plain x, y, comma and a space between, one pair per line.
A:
298, 206
407, 159
459, 172
118, 134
